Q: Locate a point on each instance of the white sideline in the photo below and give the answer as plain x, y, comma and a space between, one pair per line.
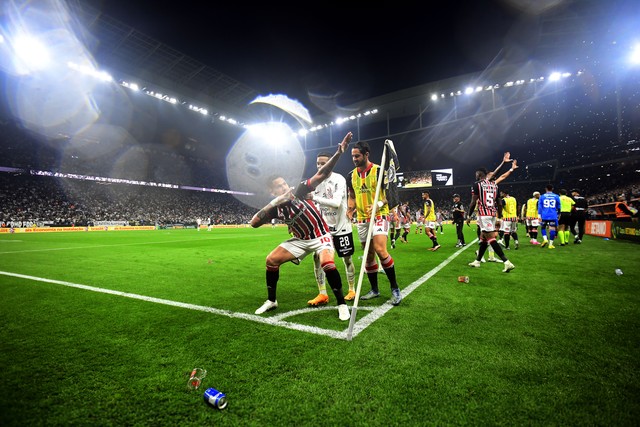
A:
119, 244
275, 320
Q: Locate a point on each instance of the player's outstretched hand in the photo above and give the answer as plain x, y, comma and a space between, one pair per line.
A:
514, 165
507, 157
345, 142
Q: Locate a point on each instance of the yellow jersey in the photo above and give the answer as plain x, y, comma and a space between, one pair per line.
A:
429, 214
509, 211
532, 208
364, 187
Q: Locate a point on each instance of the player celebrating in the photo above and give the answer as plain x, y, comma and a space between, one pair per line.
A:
331, 197
484, 194
362, 189
311, 233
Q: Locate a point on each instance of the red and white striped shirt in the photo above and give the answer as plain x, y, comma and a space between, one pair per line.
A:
487, 192
302, 216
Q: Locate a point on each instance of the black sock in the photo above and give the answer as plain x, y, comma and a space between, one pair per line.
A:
498, 250
373, 280
335, 282
272, 283
482, 248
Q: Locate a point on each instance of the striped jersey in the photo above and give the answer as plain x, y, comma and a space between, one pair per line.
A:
302, 216
509, 211
363, 184
487, 193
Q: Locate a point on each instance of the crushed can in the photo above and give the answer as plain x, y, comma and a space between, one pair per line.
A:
463, 279
215, 398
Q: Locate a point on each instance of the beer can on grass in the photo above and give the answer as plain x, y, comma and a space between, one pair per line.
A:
215, 398
463, 279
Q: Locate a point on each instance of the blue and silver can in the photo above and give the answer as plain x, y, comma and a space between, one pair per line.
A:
215, 398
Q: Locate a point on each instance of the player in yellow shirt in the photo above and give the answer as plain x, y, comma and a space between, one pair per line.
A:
531, 218
362, 188
566, 206
430, 221
509, 224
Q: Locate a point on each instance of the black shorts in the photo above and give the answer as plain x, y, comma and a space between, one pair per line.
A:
343, 244
565, 218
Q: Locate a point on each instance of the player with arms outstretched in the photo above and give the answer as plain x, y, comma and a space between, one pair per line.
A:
295, 207
484, 195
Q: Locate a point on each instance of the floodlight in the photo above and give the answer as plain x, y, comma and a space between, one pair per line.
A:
31, 52
554, 77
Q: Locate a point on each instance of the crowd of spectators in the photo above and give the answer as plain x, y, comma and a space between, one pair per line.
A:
38, 201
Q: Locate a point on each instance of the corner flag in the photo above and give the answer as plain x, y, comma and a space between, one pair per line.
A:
391, 178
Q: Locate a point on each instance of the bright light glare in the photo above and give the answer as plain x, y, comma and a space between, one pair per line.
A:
635, 55
554, 77
31, 52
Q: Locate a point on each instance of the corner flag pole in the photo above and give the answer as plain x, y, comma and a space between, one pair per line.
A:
354, 307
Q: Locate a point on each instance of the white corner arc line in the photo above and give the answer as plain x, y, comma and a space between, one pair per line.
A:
360, 325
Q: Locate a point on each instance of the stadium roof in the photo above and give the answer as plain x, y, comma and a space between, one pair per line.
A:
549, 38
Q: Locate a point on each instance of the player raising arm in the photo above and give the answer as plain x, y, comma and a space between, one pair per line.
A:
311, 234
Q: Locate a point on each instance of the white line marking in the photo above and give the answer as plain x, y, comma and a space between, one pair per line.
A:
127, 244
277, 320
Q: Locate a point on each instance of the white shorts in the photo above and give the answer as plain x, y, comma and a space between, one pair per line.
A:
430, 224
487, 223
508, 226
532, 222
380, 227
301, 248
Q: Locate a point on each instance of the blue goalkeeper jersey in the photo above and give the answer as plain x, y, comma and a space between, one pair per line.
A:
549, 206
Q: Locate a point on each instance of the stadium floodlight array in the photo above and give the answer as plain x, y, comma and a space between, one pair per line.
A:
470, 90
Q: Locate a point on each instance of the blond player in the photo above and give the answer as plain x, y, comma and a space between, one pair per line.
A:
531, 218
